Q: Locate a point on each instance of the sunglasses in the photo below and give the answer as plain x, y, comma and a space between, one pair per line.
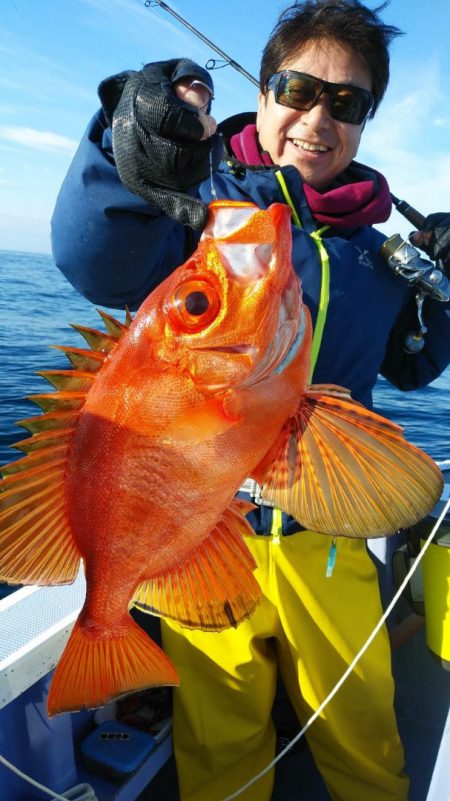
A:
301, 91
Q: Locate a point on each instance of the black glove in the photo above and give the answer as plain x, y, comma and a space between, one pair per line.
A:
156, 137
439, 245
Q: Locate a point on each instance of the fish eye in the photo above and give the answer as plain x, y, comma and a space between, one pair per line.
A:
194, 305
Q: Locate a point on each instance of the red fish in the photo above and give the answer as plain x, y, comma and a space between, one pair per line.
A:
134, 464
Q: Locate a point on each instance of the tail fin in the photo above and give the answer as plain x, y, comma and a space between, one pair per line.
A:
93, 671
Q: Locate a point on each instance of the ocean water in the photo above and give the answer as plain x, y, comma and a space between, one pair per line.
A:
37, 306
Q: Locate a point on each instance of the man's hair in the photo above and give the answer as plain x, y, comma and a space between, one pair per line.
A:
345, 21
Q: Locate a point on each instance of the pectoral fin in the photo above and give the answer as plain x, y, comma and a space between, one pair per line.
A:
341, 469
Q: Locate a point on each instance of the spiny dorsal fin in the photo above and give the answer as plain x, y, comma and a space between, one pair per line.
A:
82, 359
115, 328
53, 451
78, 380
43, 439
59, 401
97, 340
101, 343
36, 541
49, 422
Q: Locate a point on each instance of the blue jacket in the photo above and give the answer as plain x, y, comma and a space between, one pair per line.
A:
114, 248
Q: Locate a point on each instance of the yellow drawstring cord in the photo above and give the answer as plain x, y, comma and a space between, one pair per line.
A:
324, 299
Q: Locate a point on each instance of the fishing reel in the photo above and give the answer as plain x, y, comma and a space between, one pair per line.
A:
430, 281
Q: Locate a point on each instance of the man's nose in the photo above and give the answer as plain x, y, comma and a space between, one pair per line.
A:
319, 115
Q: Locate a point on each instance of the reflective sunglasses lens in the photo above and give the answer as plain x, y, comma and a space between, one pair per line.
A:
298, 92
348, 104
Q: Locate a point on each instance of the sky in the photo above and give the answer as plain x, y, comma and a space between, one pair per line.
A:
54, 53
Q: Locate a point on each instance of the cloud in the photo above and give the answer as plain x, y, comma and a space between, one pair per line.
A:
408, 142
442, 122
38, 140
139, 21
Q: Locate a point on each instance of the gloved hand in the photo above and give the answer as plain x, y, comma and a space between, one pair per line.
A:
434, 238
157, 138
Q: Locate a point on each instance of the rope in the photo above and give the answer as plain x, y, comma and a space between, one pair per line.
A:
86, 790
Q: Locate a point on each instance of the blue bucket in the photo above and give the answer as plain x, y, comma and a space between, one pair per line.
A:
40, 747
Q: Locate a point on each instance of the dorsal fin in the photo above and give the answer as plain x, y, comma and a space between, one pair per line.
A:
58, 401
43, 439
48, 422
82, 359
115, 328
68, 379
97, 340
36, 541
52, 452
100, 343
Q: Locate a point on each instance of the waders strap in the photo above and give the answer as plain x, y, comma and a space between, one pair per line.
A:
277, 522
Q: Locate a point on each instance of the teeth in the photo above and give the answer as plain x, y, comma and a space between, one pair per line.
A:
309, 146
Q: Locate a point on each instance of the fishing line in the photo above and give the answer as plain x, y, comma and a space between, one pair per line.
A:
82, 792
211, 176
355, 661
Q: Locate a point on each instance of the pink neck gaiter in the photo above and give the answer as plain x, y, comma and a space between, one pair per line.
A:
358, 202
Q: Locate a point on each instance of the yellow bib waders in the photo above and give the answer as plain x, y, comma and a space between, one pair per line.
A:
311, 627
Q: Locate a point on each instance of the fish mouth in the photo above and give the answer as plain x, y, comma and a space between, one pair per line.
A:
282, 349
240, 349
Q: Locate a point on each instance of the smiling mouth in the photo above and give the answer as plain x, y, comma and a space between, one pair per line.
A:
300, 143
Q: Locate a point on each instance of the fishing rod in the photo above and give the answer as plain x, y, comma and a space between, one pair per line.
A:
228, 61
409, 212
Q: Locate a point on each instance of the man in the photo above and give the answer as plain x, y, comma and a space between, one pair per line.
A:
132, 209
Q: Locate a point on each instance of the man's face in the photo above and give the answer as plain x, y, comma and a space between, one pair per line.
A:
319, 146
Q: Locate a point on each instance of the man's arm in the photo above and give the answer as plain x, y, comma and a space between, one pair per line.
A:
118, 228
111, 245
409, 371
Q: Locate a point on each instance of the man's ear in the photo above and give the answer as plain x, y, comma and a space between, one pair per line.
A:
261, 108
